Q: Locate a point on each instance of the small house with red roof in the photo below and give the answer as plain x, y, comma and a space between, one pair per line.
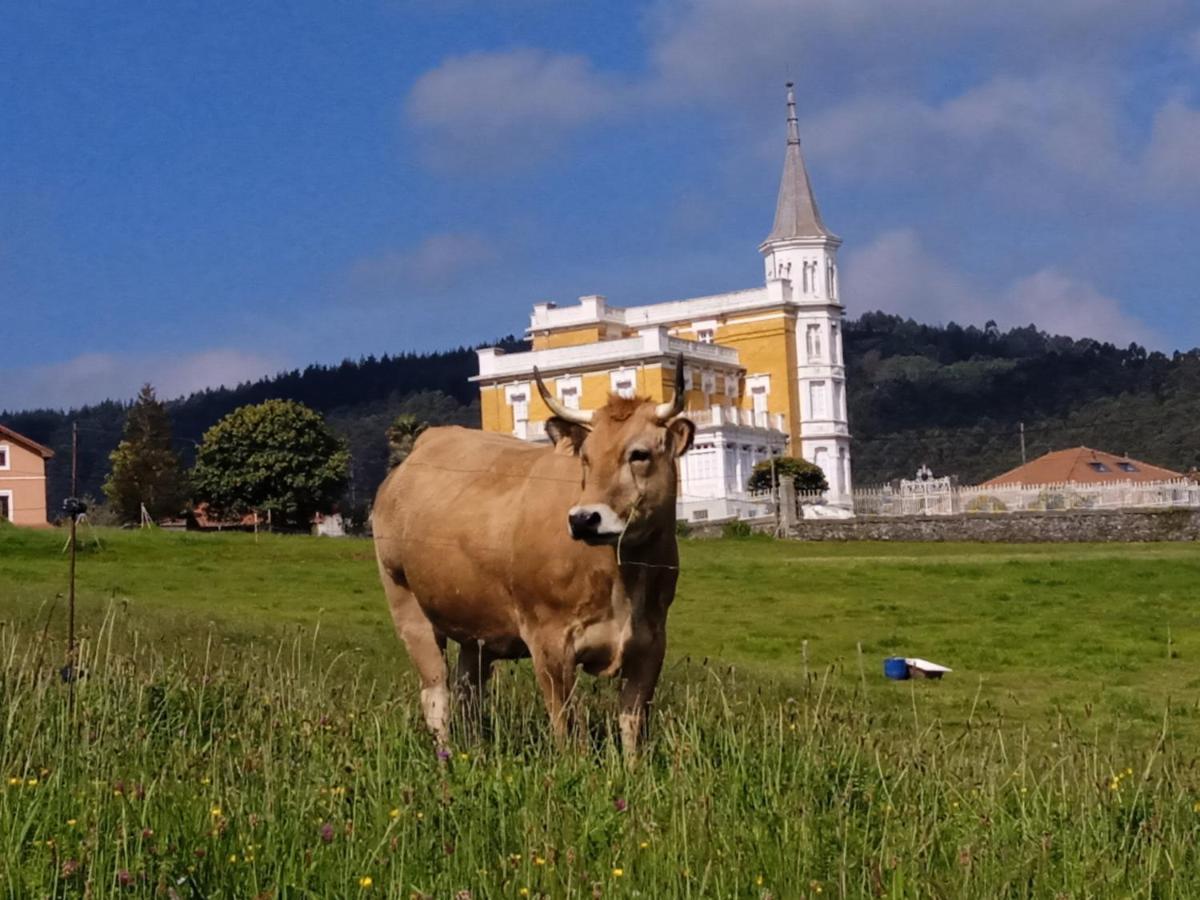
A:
1083, 465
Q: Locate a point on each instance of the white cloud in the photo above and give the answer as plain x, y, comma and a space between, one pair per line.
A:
1173, 157
501, 109
1030, 139
727, 49
92, 377
1061, 304
896, 274
438, 262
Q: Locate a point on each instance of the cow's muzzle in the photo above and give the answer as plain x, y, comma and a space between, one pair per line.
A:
594, 524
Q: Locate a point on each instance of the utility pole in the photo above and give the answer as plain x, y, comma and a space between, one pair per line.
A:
1022, 443
69, 671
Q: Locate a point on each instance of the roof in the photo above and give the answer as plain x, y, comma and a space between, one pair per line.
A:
1083, 465
796, 212
27, 443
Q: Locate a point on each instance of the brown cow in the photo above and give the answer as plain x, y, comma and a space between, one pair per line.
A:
565, 553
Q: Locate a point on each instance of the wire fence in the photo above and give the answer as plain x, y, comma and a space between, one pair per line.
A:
950, 499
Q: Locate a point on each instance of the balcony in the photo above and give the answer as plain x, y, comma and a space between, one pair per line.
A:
717, 416
648, 345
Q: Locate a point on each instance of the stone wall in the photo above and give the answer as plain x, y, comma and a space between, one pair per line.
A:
1034, 527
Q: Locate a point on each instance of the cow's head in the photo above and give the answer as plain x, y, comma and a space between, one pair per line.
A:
628, 450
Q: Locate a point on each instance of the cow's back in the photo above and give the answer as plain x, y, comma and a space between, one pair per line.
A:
465, 521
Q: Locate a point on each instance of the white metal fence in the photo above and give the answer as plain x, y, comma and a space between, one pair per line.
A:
941, 499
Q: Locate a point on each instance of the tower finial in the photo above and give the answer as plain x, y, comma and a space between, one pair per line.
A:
793, 124
796, 213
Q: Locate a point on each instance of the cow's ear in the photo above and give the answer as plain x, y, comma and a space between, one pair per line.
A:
566, 436
680, 434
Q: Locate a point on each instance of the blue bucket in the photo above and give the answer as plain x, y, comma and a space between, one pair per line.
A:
895, 667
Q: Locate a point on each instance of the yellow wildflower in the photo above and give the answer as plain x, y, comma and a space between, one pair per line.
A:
524, 892
644, 844
394, 814
32, 782
366, 881
617, 873
233, 857
464, 757
759, 881
14, 781
215, 811
539, 861
71, 823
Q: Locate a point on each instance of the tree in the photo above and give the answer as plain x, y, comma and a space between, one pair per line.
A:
401, 436
145, 469
276, 457
808, 477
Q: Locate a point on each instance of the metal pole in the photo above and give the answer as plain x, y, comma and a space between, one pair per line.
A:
775, 495
1022, 443
74, 523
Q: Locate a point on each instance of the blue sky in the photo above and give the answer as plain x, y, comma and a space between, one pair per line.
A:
197, 193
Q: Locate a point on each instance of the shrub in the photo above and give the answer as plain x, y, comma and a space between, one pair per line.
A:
808, 477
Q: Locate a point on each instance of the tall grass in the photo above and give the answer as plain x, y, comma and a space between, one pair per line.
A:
248, 773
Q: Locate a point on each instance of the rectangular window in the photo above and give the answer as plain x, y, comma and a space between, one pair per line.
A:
1127, 467
813, 342
759, 395
817, 405
705, 335
520, 405
623, 382
1098, 467
6, 505
834, 344
4, 456
569, 389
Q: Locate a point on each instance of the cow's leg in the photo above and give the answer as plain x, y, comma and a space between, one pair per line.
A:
471, 677
640, 671
426, 649
554, 666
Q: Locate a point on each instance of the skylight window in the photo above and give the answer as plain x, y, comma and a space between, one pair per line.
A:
1127, 467
1098, 466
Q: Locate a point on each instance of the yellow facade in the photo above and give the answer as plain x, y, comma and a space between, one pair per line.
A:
572, 337
767, 346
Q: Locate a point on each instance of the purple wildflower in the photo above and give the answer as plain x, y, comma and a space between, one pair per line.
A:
443, 753
124, 879
620, 805
326, 833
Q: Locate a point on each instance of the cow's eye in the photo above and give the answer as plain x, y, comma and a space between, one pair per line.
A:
639, 456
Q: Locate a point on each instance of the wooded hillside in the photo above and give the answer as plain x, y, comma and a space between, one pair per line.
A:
947, 396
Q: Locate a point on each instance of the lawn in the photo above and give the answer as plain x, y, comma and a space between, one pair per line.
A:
247, 728
1107, 634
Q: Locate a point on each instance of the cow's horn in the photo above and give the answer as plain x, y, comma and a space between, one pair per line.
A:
578, 416
664, 412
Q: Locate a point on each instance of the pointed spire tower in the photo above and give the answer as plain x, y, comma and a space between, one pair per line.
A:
796, 212
800, 255
800, 249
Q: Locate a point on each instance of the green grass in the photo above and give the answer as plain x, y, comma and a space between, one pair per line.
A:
248, 727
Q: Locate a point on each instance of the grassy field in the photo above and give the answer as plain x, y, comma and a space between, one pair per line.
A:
248, 728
